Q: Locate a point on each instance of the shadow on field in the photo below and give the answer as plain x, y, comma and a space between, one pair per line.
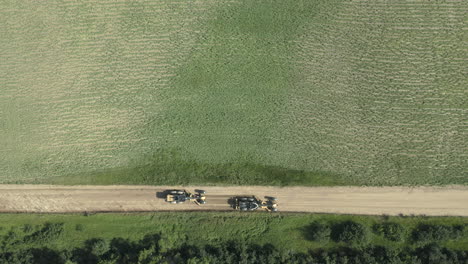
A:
171, 167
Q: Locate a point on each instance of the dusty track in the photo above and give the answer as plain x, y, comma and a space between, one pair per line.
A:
350, 200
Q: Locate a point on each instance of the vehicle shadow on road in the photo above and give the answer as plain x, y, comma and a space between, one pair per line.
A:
161, 195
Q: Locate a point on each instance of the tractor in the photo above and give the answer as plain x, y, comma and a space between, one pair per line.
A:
252, 203
181, 196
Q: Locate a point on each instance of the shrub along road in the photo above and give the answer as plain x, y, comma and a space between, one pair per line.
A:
452, 200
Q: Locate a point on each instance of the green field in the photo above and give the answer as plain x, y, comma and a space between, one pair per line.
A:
319, 92
285, 231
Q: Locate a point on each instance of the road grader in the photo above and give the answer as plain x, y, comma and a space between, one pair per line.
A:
181, 196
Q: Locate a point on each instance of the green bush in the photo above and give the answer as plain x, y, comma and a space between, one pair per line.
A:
425, 233
319, 232
79, 227
350, 232
48, 232
391, 231
98, 246
27, 228
10, 236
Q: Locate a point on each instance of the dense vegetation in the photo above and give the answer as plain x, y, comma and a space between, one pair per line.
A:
305, 92
151, 250
231, 238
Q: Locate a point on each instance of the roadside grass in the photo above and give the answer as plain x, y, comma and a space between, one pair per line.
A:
285, 231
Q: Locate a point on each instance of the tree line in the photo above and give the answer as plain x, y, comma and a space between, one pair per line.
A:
358, 234
28, 247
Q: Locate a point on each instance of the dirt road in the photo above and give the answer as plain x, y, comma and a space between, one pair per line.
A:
349, 200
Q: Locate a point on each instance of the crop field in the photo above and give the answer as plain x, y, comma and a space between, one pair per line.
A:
319, 92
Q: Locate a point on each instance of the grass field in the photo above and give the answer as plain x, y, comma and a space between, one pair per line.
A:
283, 92
285, 231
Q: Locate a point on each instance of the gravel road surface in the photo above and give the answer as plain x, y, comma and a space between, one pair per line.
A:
451, 200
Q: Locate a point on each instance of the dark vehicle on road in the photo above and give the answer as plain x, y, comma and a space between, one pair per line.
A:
252, 203
181, 196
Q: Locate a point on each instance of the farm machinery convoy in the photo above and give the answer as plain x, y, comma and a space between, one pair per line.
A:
241, 203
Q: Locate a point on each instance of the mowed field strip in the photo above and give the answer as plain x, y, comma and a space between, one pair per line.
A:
346, 200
